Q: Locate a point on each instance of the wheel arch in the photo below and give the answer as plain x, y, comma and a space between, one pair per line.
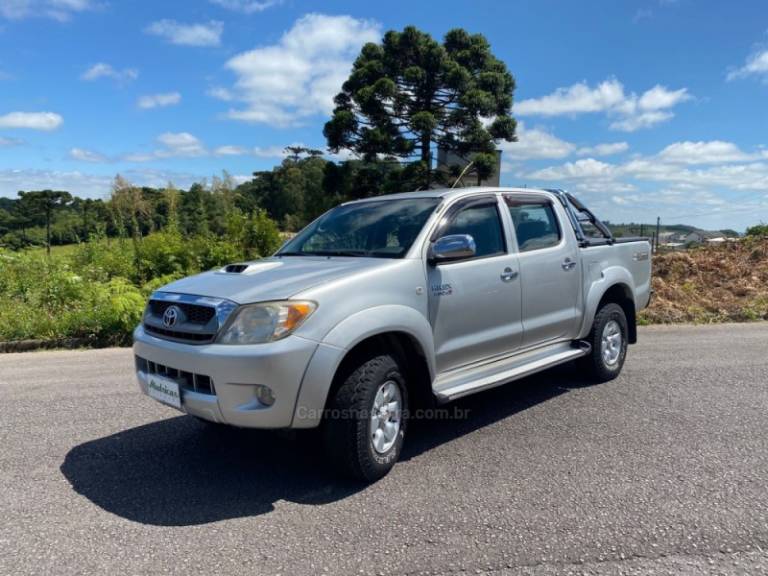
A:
399, 330
621, 294
615, 285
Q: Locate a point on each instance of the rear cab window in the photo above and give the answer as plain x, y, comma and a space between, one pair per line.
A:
535, 222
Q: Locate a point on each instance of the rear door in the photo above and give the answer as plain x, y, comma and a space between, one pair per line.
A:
474, 304
550, 275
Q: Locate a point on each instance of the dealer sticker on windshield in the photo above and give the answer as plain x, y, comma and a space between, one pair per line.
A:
164, 390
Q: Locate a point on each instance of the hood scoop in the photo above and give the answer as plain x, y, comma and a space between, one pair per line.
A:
248, 268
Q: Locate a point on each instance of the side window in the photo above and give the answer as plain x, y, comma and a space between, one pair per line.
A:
483, 224
535, 223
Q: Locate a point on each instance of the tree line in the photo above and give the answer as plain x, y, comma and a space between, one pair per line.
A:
301, 187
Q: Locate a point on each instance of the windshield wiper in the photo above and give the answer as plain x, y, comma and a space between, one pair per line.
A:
337, 253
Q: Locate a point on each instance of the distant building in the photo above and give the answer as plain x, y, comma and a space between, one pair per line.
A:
446, 160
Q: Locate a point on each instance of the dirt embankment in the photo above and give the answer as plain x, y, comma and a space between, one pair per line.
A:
725, 283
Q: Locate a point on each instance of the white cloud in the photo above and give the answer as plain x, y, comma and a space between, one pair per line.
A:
103, 70
584, 168
631, 112
86, 155
712, 152
180, 144
246, 6
298, 77
756, 65
535, 143
278, 152
669, 197
642, 120
159, 100
724, 166
8, 142
172, 145
61, 10
202, 34
658, 98
230, 150
576, 99
220, 93
31, 120
606, 149
271, 151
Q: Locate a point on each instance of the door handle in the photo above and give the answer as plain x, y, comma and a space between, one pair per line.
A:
509, 274
568, 264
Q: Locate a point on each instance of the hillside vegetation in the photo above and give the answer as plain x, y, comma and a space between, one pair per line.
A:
722, 283
96, 291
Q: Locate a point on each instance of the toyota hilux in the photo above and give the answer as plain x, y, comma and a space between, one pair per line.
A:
391, 303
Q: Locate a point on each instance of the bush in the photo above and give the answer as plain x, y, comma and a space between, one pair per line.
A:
758, 230
99, 289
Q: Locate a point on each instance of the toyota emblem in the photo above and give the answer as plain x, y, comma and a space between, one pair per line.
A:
171, 316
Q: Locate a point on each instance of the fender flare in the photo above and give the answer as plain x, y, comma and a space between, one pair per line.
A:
329, 354
609, 277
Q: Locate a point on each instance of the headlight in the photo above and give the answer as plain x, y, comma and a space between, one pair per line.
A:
267, 322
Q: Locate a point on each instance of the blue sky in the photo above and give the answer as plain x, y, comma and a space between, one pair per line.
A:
644, 107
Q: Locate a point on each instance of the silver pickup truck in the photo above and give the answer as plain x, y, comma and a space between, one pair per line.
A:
384, 306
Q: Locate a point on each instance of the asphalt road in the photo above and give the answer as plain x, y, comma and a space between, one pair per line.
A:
663, 471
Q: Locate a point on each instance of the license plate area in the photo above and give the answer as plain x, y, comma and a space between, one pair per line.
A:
164, 390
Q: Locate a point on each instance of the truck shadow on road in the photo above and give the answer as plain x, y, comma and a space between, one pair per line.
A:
179, 472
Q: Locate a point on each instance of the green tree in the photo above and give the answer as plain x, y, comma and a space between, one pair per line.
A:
411, 94
292, 193
130, 206
194, 213
44, 204
758, 230
171, 198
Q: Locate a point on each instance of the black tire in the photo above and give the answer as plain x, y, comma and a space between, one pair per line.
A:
596, 366
347, 436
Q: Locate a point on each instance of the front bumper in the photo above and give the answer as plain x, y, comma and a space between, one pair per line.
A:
235, 371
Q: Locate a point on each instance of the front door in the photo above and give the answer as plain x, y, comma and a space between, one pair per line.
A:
474, 304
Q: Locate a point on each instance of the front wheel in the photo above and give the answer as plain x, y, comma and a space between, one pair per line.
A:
608, 339
365, 426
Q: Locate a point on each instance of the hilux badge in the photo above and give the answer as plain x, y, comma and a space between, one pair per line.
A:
441, 289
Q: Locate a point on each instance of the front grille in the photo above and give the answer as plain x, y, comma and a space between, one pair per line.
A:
188, 336
194, 314
186, 380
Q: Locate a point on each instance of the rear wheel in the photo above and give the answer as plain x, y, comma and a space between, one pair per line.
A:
608, 339
365, 426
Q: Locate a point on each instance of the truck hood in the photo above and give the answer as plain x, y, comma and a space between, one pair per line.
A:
274, 278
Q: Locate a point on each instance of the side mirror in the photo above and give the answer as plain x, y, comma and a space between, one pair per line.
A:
453, 247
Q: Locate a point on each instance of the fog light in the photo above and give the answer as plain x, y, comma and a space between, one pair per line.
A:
264, 395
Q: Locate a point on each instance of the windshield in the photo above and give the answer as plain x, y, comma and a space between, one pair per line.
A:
382, 228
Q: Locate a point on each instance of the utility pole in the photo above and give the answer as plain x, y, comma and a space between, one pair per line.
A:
658, 226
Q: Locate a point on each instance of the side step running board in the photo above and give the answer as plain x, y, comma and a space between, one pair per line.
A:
515, 372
